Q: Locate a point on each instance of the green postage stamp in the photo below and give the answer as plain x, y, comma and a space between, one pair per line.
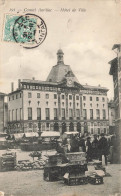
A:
29, 30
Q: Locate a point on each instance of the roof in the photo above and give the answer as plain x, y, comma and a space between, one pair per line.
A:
116, 46
58, 73
50, 134
38, 82
31, 134
95, 87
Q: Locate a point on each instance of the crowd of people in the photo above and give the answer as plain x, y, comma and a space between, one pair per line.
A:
94, 147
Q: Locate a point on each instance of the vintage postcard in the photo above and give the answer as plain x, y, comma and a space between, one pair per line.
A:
60, 98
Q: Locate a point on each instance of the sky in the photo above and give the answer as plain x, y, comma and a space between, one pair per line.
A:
86, 39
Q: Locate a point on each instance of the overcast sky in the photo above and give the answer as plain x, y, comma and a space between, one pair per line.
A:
86, 39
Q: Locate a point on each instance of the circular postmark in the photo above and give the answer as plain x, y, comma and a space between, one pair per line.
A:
29, 30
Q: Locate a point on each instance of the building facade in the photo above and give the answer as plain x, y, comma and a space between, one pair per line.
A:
3, 112
111, 114
57, 104
115, 71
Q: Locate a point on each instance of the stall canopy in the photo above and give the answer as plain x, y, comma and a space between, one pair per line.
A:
32, 134
50, 134
18, 136
71, 133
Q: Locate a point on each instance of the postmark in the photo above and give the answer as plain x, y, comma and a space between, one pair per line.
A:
28, 30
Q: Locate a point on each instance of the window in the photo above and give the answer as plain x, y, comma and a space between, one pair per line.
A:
63, 113
77, 97
84, 98
9, 98
91, 114
84, 104
97, 98
16, 114
20, 95
30, 125
38, 95
90, 104
16, 96
29, 95
20, 113
90, 98
63, 104
104, 130
98, 113
55, 103
47, 113
63, 96
78, 114
47, 96
103, 105
47, 125
55, 96
103, 99
104, 114
91, 130
70, 104
55, 114
13, 97
29, 113
97, 105
70, 114
85, 114
98, 130
38, 113
70, 97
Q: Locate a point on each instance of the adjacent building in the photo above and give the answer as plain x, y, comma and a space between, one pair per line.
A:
115, 71
3, 112
111, 114
60, 103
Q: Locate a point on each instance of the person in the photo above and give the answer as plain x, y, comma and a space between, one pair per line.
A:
89, 149
103, 148
82, 144
74, 144
95, 151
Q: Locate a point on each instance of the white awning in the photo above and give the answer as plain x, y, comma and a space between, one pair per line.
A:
71, 133
50, 134
18, 136
32, 134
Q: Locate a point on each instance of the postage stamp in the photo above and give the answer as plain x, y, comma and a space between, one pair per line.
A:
28, 30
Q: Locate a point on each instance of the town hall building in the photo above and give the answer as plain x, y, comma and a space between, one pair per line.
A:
60, 103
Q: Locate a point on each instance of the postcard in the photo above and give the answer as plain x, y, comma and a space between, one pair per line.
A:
60, 97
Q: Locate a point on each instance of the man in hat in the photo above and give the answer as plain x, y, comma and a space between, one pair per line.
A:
95, 150
103, 147
89, 149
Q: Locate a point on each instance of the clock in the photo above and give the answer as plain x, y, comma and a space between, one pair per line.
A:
70, 81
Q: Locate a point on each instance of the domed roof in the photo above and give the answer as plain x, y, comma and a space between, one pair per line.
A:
60, 51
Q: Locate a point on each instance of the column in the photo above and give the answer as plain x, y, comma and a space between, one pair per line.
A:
74, 112
59, 106
66, 106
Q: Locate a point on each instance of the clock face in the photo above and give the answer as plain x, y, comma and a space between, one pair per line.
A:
69, 81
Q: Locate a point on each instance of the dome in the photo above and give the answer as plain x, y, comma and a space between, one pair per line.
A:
60, 51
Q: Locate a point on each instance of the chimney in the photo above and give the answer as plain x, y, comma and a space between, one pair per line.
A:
19, 83
12, 86
33, 78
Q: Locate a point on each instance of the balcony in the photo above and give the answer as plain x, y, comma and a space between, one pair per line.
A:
38, 118
29, 118
55, 118
47, 118
70, 118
